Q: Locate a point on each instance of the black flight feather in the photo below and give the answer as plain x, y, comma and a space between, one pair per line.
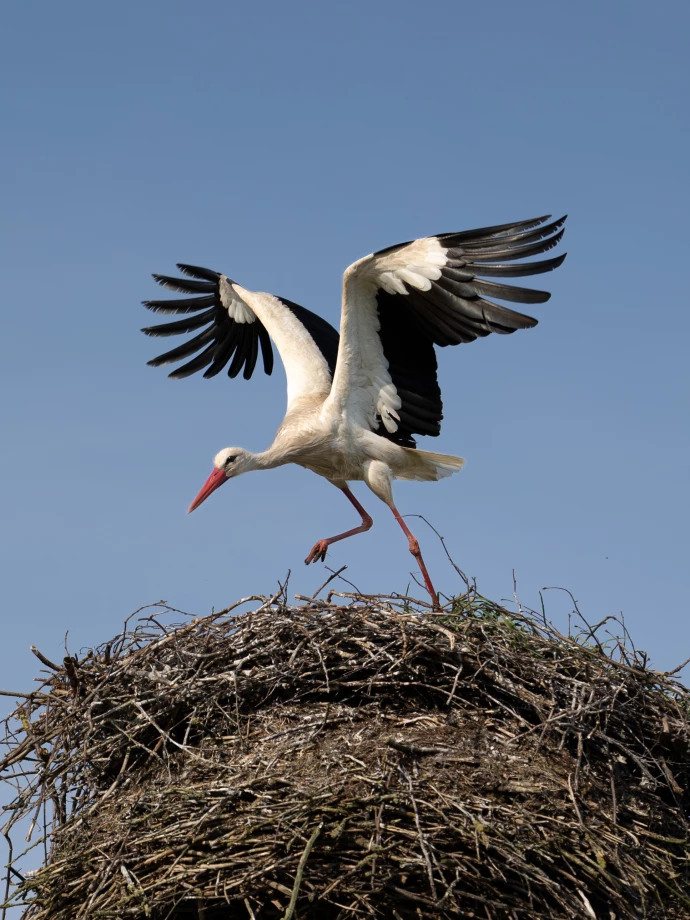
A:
185, 350
181, 326
224, 348
514, 270
203, 359
240, 355
266, 349
190, 305
185, 285
250, 363
510, 292
196, 272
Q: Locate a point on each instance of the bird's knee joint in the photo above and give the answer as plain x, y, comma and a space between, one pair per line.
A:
414, 546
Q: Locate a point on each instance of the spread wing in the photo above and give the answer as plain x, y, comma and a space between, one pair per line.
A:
401, 302
236, 324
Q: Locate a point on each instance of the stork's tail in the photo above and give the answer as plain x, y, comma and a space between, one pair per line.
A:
428, 466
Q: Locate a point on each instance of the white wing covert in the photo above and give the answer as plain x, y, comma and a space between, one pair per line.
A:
240, 323
400, 302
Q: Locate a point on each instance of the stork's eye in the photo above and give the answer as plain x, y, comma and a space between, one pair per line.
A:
230, 460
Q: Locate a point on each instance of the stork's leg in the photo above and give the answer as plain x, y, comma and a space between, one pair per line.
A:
320, 549
416, 552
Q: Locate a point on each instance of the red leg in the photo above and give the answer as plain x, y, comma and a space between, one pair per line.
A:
320, 549
414, 549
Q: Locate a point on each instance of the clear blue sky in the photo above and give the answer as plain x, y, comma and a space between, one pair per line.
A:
278, 142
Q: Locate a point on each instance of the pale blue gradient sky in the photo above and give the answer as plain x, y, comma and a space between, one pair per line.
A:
279, 142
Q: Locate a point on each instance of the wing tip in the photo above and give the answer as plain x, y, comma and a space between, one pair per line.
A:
181, 372
197, 271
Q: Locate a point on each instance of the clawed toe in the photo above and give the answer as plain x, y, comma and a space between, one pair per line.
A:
318, 553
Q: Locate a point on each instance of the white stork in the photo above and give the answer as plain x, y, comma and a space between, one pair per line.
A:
355, 400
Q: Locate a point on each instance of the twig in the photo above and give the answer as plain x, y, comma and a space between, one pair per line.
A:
8, 876
460, 572
46, 661
300, 869
422, 841
574, 801
407, 748
327, 581
358, 593
676, 670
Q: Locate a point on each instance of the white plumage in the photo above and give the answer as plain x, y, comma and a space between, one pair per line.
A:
305, 366
356, 401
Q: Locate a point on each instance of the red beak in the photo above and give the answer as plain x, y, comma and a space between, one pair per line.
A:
214, 481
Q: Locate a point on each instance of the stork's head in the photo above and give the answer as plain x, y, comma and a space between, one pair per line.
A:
228, 463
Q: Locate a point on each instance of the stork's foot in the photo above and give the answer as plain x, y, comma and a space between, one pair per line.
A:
318, 552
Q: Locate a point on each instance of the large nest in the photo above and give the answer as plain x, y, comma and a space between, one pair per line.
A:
354, 757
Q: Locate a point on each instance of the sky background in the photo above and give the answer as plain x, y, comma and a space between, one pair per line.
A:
278, 143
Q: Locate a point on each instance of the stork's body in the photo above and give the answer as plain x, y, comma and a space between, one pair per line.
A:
355, 401
334, 447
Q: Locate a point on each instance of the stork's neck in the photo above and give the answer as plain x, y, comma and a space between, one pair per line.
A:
268, 459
